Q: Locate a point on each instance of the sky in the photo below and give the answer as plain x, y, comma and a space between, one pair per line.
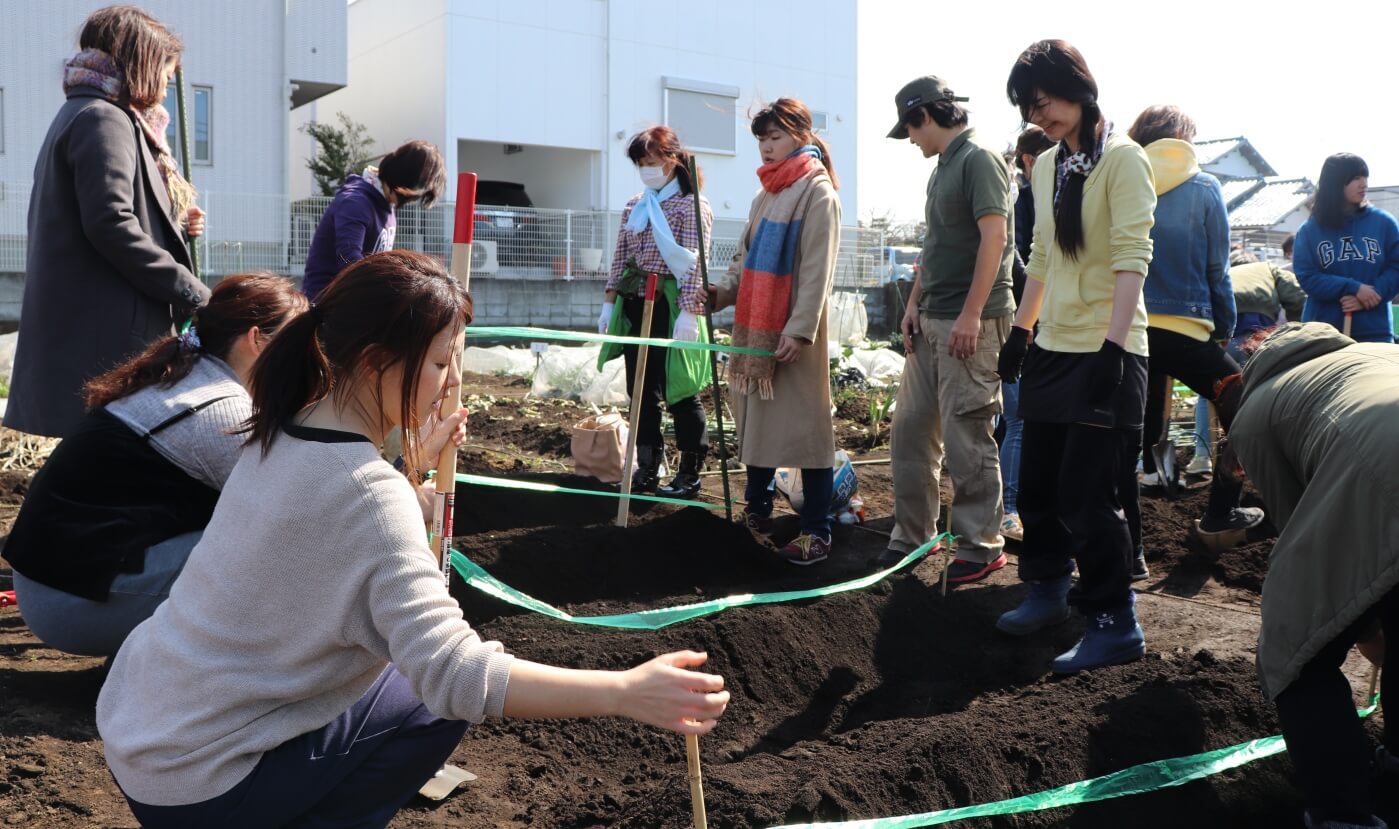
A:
1300, 80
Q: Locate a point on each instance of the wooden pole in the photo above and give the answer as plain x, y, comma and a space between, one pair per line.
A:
713, 355
1345, 326
696, 783
1374, 683
637, 386
444, 507
185, 160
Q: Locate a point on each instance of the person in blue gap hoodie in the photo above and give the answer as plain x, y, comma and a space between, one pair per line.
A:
1347, 254
1190, 311
360, 219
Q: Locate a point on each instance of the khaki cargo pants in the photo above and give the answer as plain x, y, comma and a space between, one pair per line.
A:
949, 404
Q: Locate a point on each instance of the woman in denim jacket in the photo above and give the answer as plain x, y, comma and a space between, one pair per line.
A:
1190, 308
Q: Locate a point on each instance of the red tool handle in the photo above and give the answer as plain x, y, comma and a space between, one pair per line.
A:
7, 598
466, 209
651, 287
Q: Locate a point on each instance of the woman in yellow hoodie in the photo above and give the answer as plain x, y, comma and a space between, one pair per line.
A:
1190, 311
1085, 374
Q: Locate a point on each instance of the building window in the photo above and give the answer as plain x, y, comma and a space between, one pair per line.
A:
818, 121
702, 114
201, 105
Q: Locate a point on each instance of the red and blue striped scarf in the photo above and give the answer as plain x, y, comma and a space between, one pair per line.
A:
765, 288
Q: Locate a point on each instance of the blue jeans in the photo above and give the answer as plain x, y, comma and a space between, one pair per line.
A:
354, 773
1202, 428
1010, 447
74, 624
816, 497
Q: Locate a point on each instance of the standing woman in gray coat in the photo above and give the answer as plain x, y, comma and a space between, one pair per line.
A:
108, 272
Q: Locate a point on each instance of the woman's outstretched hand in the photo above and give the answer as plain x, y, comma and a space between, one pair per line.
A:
665, 693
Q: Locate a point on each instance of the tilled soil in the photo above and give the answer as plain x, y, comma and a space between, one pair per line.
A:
890, 700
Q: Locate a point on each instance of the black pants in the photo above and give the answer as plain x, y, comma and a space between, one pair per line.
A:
1071, 510
1199, 365
691, 432
1326, 740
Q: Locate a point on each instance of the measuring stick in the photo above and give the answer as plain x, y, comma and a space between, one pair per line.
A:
183, 114
445, 505
696, 784
713, 355
637, 387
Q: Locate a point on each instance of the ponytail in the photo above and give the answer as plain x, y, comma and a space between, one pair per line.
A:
1068, 215
826, 159
382, 310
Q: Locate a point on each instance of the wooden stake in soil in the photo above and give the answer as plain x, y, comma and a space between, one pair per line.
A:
638, 383
696, 784
947, 557
1374, 683
444, 506
713, 355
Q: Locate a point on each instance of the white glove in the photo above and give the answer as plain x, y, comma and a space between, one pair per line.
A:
605, 318
686, 328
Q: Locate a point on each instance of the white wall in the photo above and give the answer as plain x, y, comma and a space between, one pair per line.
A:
236, 48
397, 52
1233, 164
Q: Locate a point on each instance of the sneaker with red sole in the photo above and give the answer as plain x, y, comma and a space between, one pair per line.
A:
965, 572
806, 549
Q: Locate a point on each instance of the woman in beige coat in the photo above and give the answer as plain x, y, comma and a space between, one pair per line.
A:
779, 281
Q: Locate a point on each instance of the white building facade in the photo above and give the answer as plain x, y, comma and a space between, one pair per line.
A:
545, 93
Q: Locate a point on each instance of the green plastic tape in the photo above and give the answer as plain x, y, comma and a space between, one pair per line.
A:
1140, 779
473, 574
525, 333
506, 483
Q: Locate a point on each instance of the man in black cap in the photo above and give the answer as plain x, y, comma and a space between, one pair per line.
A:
958, 316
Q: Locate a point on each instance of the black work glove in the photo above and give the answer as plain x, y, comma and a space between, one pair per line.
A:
1013, 354
1107, 371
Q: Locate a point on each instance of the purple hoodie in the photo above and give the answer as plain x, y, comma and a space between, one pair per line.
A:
358, 222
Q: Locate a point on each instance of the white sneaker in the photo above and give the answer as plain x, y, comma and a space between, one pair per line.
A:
1011, 527
1200, 465
1149, 479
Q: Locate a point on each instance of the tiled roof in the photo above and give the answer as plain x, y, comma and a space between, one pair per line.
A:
1270, 203
1207, 152
1236, 190
1210, 151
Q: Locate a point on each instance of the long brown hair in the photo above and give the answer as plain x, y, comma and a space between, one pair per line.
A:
239, 302
138, 44
662, 141
415, 166
794, 118
380, 311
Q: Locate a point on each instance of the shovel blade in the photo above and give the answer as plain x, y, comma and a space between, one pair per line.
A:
1164, 453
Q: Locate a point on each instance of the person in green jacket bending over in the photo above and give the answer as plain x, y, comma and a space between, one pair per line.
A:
659, 235
1315, 432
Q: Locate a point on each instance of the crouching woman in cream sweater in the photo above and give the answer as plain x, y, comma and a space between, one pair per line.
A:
309, 667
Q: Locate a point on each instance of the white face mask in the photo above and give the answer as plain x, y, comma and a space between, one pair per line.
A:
653, 178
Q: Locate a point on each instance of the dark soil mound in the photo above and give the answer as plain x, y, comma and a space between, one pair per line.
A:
1171, 546
866, 704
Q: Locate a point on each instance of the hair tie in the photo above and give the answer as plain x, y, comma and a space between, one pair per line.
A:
189, 340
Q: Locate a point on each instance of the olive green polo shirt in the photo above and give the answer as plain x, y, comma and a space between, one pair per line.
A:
970, 181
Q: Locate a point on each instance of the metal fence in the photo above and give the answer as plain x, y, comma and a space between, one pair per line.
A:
272, 233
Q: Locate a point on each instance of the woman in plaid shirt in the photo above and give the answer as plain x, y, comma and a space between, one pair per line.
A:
659, 235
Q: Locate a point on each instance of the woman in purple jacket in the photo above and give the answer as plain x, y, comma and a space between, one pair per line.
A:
360, 219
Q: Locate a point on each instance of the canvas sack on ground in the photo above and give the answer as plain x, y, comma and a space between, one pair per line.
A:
599, 445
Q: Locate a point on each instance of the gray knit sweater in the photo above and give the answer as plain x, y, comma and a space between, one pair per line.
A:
202, 445
313, 575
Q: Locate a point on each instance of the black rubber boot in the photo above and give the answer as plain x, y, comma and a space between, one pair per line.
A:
643, 477
686, 484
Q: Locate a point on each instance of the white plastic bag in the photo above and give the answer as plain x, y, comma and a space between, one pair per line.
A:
788, 481
880, 366
849, 321
498, 359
